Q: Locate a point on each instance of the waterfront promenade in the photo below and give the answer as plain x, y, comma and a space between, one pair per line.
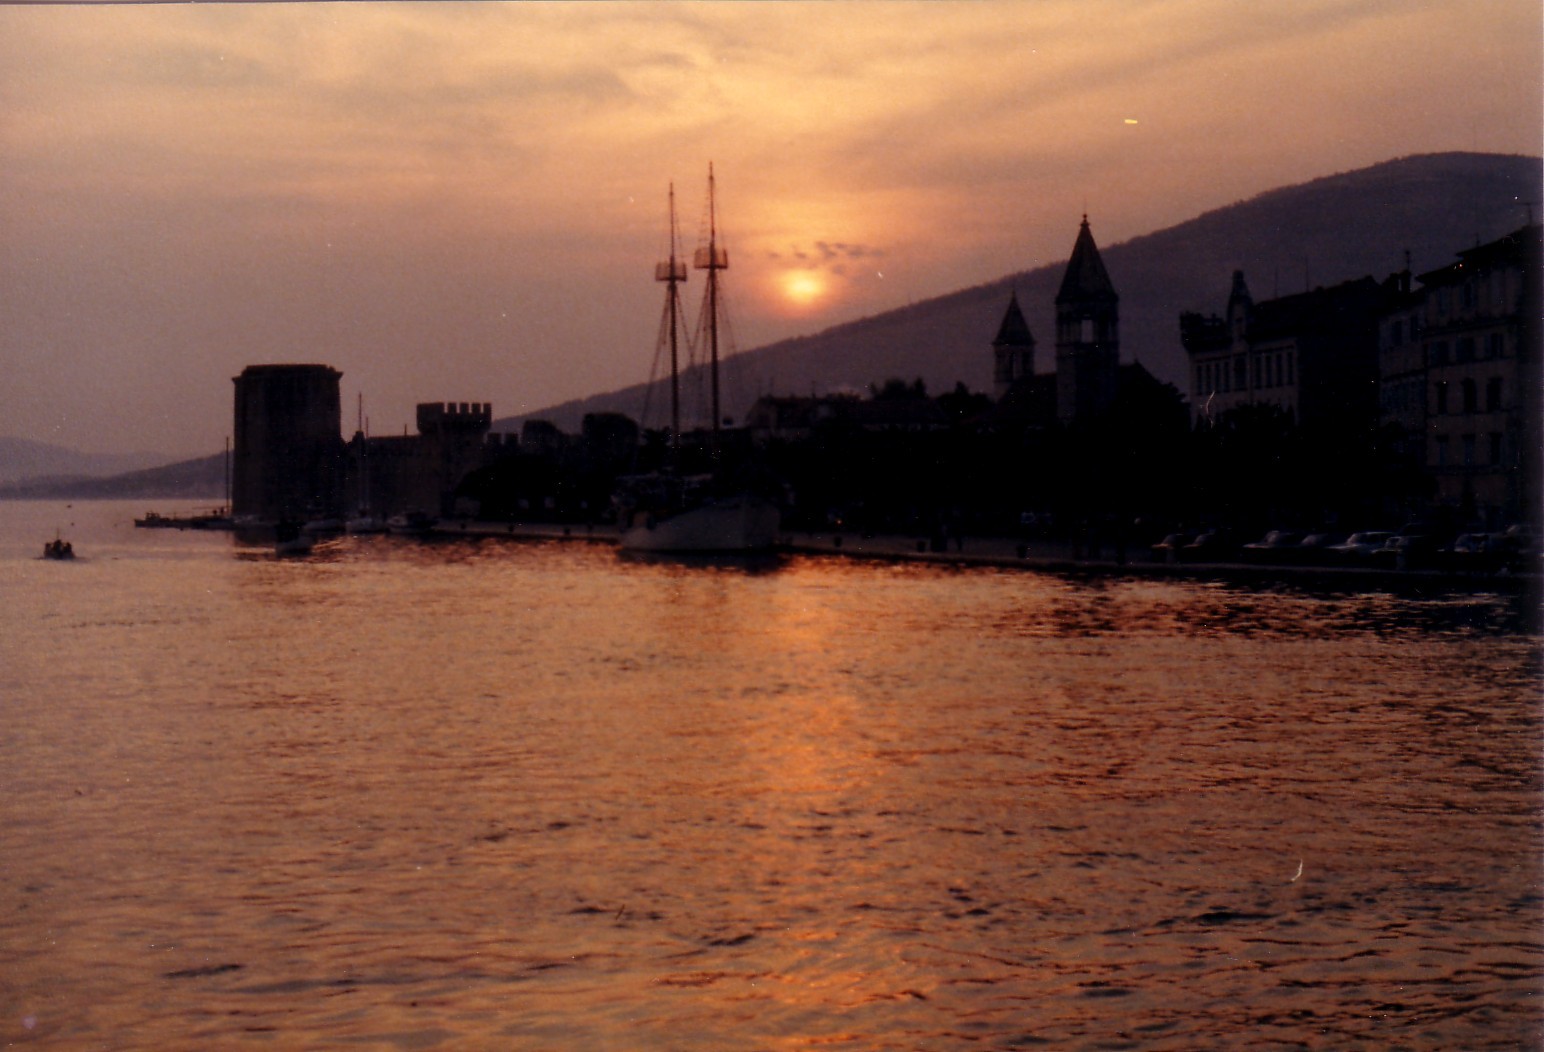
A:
1051, 556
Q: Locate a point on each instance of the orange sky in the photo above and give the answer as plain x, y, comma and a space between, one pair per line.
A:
465, 201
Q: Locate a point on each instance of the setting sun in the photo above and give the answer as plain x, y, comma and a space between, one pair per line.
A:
802, 287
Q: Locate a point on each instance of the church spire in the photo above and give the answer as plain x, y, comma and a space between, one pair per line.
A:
1013, 351
1014, 330
1087, 334
1086, 279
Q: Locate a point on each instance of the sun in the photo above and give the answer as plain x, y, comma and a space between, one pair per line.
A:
803, 287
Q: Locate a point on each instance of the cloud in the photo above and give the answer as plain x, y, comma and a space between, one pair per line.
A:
200, 183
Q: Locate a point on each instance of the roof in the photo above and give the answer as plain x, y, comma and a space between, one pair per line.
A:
1513, 249
1086, 278
1350, 303
1014, 331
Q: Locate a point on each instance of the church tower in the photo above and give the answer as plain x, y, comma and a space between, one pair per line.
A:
1013, 351
1087, 334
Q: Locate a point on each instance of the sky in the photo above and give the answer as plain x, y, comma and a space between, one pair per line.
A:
465, 201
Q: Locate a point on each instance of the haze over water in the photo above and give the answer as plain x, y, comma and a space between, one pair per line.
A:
504, 795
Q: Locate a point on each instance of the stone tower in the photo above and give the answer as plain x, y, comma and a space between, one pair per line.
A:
1013, 351
1087, 334
288, 457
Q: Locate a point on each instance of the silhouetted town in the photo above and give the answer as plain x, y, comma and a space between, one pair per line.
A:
1406, 405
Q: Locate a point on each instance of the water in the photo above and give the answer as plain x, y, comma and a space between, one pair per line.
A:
467, 795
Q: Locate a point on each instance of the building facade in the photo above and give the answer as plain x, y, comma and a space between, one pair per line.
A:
1462, 372
1313, 355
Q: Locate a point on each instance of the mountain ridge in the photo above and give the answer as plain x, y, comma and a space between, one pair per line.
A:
1324, 231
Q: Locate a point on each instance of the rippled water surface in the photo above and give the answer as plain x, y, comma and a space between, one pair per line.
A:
534, 795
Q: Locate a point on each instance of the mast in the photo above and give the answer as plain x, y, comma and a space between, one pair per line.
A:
227, 474
673, 272
713, 259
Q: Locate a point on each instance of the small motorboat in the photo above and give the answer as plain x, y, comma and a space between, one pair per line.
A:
58, 549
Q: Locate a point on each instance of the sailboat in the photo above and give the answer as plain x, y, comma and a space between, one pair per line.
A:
667, 511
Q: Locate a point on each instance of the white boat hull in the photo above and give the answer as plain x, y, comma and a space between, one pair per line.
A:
737, 524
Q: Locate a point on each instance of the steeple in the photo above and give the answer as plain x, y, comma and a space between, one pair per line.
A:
1087, 334
1240, 305
1086, 279
1013, 351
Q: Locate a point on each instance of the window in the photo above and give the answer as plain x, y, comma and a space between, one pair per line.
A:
1442, 451
1086, 330
1495, 345
1495, 447
1444, 299
1289, 367
1240, 373
1468, 441
1466, 349
1396, 333
1493, 395
1466, 294
1442, 399
1471, 403
1439, 353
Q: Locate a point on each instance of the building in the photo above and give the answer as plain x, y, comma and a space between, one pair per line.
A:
1461, 369
1087, 334
790, 418
290, 461
1090, 383
1013, 351
287, 461
1313, 355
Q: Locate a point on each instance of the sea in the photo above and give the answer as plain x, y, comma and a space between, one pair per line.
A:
408, 794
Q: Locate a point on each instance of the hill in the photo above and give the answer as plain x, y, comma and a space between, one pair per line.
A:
201, 478
1322, 232
22, 458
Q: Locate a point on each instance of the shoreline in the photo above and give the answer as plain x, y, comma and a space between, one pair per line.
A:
1045, 556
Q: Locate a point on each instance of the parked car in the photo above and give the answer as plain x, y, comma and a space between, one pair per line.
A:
1360, 546
1414, 547
1316, 549
1520, 550
1168, 549
1208, 546
1475, 553
1272, 546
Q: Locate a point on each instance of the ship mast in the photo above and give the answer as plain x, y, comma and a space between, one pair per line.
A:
713, 259
673, 272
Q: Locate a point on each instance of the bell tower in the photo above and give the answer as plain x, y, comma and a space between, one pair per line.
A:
1013, 351
1087, 334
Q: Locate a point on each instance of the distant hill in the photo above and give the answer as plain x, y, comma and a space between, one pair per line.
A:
22, 458
1322, 232
199, 479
